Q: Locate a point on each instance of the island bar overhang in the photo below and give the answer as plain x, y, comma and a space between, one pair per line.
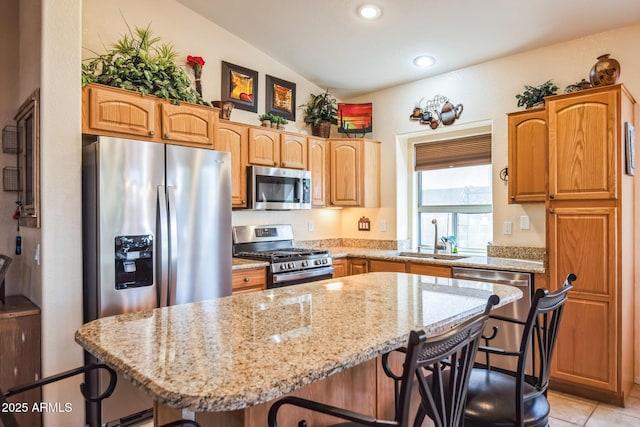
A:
228, 354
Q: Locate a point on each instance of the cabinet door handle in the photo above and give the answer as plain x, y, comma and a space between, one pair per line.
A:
284, 164
152, 133
167, 136
513, 197
552, 211
275, 163
243, 202
246, 279
552, 196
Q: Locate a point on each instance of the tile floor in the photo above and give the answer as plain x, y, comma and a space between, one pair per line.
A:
571, 411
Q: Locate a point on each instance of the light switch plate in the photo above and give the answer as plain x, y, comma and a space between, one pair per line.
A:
310, 226
524, 222
383, 225
507, 227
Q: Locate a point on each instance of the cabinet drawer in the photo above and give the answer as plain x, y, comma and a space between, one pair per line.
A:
254, 279
430, 270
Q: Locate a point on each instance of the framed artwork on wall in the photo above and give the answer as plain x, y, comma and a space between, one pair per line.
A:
240, 86
630, 148
280, 98
355, 118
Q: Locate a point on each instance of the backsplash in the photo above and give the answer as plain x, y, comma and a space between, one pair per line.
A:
390, 245
516, 252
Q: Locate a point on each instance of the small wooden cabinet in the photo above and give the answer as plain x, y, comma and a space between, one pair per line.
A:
430, 270
187, 123
233, 138
355, 173
123, 113
358, 266
264, 147
318, 167
340, 266
527, 156
381, 265
248, 280
293, 151
20, 354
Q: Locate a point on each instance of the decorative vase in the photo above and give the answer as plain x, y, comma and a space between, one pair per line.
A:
605, 72
198, 86
225, 108
322, 129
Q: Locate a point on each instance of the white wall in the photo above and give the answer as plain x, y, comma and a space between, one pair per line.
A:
487, 92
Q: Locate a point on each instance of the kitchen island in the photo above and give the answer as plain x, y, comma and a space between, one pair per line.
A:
227, 355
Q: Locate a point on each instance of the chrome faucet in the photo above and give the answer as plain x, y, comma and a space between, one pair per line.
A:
435, 236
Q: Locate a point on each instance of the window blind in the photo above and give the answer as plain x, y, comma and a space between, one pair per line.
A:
465, 151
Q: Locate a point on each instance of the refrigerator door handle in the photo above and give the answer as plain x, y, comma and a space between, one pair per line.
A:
163, 247
173, 244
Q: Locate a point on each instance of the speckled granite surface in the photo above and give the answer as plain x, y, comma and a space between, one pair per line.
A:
355, 243
517, 252
491, 263
245, 264
233, 352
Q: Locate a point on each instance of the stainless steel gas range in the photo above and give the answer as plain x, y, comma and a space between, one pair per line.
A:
274, 244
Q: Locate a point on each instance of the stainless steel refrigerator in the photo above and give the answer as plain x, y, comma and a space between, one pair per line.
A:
156, 232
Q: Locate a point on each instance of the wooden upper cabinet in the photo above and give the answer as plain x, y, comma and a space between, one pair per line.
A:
112, 111
527, 156
264, 147
188, 123
318, 167
355, 172
123, 113
233, 138
582, 145
293, 151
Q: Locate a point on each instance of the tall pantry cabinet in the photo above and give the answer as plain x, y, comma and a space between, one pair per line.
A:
591, 232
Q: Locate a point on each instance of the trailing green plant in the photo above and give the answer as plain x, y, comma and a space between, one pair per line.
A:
535, 94
140, 62
320, 108
278, 120
265, 116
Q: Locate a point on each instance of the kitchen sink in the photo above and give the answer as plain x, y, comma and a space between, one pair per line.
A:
432, 256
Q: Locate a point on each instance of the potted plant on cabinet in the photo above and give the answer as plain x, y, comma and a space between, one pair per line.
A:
320, 112
265, 119
278, 121
534, 95
138, 62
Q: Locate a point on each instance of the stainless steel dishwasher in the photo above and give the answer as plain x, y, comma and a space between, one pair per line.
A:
509, 334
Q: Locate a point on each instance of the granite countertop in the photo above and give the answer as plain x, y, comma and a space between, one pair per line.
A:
233, 352
491, 263
245, 264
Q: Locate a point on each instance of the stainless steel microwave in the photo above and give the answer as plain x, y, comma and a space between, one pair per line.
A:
278, 188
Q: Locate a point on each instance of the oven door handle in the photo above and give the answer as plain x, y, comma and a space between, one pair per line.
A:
305, 274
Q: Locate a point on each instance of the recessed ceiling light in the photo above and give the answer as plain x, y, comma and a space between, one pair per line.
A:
369, 11
424, 61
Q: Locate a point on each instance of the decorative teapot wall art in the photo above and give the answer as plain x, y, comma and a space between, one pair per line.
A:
436, 111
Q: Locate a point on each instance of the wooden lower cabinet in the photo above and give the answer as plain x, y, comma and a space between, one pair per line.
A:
248, 280
340, 267
429, 270
358, 266
20, 354
393, 266
363, 388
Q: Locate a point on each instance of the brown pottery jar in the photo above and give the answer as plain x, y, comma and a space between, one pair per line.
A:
605, 72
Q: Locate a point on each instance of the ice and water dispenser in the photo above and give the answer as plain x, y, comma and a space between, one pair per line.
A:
134, 261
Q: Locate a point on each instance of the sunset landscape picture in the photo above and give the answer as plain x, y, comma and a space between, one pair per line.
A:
355, 118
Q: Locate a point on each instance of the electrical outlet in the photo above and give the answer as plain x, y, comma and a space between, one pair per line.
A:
383, 225
310, 226
507, 227
524, 222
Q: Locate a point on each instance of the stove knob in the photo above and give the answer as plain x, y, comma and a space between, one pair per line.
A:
324, 261
316, 262
283, 267
304, 263
290, 265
